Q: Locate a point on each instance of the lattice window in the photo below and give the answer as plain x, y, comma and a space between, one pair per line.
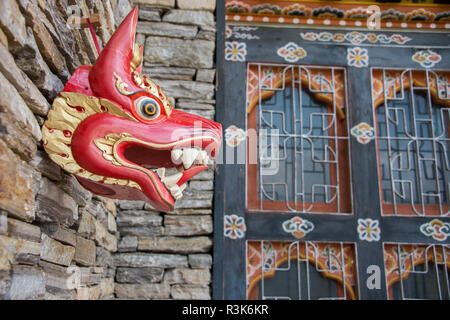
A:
301, 270
412, 113
299, 116
417, 271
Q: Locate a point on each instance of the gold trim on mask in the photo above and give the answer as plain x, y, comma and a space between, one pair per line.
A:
67, 112
137, 58
121, 86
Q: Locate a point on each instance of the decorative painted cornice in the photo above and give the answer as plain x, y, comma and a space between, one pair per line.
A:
339, 13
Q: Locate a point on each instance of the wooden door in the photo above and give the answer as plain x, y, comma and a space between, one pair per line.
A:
335, 174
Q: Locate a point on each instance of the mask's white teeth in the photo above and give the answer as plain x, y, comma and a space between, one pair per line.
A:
172, 180
176, 156
161, 173
188, 157
176, 191
205, 159
201, 157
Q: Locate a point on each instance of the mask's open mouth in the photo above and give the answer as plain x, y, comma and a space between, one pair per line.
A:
187, 160
189, 157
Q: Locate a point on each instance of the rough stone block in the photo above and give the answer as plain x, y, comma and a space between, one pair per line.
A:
140, 260
59, 277
128, 244
200, 260
89, 293
45, 43
107, 287
12, 22
73, 188
23, 230
60, 233
3, 39
186, 203
209, 5
202, 185
150, 15
187, 276
55, 252
64, 37
5, 283
175, 244
131, 205
88, 278
4, 223
30, 60
129, 220
59, 294
142, 291
24, 86
208, 114
105, 239
16, 138
112, 224
194, 106
46, 166
190, 292
206, 75
121, 10
85, 252
104, 258
110, 206
17, 185
139, 275
13, 104
142, 231
179, 52
27, 283
206, 35
169, 73
54, 205
162, 3
164, 29
178, 225
187, 89
195, 17
86, 227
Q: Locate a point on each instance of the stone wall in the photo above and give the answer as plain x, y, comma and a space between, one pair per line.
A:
56, 239
169, 256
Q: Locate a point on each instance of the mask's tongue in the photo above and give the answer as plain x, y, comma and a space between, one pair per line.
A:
189, 173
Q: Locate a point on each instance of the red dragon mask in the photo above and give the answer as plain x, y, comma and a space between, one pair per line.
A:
117, 132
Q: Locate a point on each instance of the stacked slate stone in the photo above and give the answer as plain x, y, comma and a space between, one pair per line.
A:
168, 256
56, 239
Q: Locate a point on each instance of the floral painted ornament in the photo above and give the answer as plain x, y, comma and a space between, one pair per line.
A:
363, 133
234, 227
235, 51
436, 229
426, 58
291, 52
357, 57
234, 136
368, 230
298, 227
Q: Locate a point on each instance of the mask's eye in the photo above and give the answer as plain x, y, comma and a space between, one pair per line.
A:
147, 108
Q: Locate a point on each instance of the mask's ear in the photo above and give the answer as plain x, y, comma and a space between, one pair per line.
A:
117, 57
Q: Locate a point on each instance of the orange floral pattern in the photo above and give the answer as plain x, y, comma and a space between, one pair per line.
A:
328, 258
